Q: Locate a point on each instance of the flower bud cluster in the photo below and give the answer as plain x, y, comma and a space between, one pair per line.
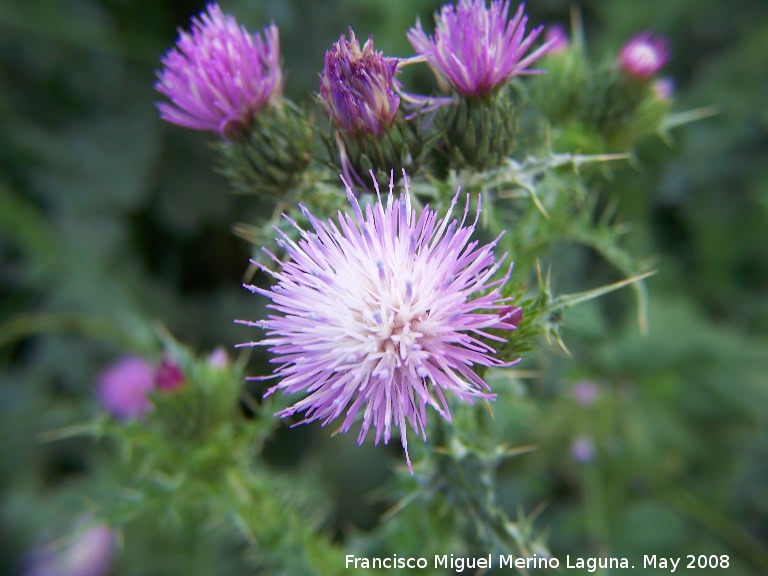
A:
223, 79
603, 107
220, 78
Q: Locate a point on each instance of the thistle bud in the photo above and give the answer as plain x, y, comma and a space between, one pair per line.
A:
357, 93
357, 89
644, 55
168, 376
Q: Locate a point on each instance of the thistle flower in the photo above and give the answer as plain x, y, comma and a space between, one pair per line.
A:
644, 55
357, 87
219, 76
384, 312
123, 388
477, 49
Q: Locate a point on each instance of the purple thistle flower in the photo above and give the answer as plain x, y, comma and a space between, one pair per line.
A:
644, 55
219, 76
357, 89
477, 49
124, 387
383, 312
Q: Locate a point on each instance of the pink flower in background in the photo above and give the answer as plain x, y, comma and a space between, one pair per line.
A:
91, 553
124, 387
583, 450
218, 358
644, 55
557, 38
664, 88
383, 313
219, 76
476, 49
585, 392
357, 89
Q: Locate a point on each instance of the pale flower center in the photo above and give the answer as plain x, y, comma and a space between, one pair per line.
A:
398, 333
396, 328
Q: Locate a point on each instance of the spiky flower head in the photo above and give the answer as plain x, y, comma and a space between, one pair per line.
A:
219, 76
644, 55
124, 387
357, 90
476, 49
384, 312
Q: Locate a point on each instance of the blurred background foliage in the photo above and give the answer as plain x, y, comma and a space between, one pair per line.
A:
112, 222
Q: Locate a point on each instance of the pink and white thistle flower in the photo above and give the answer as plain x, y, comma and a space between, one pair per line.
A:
475, 50
219, 75
384, 312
